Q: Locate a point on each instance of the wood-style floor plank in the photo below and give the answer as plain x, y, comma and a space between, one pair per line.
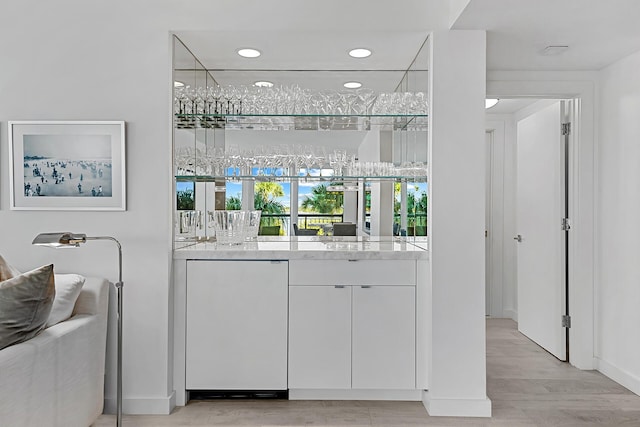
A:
527, 387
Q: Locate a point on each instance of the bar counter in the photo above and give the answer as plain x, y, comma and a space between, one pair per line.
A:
308, 247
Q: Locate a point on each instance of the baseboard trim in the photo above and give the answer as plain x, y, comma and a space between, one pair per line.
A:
510, 314
354, 394
456, 407
151, 406
620, 376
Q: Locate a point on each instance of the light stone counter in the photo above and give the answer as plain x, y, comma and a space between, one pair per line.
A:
306, 247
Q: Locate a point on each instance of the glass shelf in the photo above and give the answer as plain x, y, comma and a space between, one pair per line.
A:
302, 121
334, 179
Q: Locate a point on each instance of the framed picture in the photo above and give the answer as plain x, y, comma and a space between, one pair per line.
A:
67, 165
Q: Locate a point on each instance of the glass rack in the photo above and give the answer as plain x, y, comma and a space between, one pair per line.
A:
360, 122
311, 178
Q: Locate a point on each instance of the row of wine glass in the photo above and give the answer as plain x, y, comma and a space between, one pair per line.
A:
293, 100
286, 160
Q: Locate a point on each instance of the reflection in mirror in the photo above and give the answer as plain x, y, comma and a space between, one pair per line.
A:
325, 168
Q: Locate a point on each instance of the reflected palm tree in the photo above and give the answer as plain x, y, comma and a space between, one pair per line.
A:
322, 201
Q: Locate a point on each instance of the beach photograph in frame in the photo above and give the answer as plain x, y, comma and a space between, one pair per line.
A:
70, 165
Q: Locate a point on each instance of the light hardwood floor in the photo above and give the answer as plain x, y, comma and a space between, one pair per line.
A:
527, 387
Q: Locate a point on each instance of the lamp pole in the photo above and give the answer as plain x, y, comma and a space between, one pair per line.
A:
67, 239
119, 285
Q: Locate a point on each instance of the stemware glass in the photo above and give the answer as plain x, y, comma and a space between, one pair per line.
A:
366, 98
233, 94
216, 94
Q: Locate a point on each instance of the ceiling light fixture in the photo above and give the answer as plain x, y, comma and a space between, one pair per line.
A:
359, 52
249, 53
263, 83
554, 50
178, 84
488, 103
352, 85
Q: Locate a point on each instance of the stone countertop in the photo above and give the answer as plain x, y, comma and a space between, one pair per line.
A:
308, 247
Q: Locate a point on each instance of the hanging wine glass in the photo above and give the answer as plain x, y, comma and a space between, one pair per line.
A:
366, 98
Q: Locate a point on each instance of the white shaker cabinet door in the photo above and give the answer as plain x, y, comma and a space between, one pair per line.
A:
320, 337
236, 325
384, 337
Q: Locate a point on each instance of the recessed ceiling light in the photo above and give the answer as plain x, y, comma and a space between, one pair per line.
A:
263, 83
488, 103
178, 84
249, 53
352, 85
359, 52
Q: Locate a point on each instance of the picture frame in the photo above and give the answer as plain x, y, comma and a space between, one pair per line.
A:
67, 165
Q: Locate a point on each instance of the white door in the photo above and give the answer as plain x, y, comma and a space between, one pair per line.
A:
541, 246
236, 325
487, 221
384, 336
320, 337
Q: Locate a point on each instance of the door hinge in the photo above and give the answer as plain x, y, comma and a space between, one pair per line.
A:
566, 128
566, 224
566, 321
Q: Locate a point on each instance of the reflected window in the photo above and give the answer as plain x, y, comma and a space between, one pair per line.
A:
274, 200
417, 209
233, 196
319, 207
185, 196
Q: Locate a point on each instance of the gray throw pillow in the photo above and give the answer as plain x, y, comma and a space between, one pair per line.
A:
25, 302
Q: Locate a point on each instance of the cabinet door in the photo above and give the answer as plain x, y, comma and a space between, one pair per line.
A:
320, 337
236, 325
384, 337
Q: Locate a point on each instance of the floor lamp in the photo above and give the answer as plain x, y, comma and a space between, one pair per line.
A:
67, 240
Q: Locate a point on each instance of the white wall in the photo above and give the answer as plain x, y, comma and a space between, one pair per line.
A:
457, 372
618, 226
75, 60
66, 60
456, 7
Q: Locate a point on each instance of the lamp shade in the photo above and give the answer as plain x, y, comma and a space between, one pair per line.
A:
59, 239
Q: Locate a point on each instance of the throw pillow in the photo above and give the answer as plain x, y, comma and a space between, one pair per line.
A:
7, 271
25, 302
68, 287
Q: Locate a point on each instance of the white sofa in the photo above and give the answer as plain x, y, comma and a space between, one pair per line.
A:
57, 378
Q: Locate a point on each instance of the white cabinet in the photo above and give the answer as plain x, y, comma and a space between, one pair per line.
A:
383, 337
236, 332
352, 272
319, 337
351, 336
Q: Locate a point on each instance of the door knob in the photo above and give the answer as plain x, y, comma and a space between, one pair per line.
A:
518, 238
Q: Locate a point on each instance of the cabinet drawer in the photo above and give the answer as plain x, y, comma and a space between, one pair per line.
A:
345, 272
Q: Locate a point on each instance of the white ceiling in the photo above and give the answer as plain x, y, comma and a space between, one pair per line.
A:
598, 32
299, 35
305, 55
510, 106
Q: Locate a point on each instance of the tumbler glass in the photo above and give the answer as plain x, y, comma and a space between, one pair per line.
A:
187, 223
253, 224
230, 227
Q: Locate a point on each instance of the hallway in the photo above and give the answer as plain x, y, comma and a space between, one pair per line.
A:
527, 386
